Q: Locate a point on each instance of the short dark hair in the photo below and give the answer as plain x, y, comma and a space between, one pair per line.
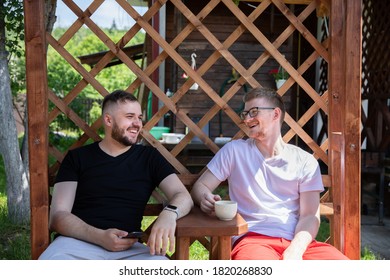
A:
116, 97
269, 94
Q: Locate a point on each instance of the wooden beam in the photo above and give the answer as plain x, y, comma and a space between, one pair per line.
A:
37, 102
134, 52
353, 62
336, 127
344, 123
322, 10
298, 2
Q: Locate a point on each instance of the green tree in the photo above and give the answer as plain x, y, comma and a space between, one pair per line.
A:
17, 187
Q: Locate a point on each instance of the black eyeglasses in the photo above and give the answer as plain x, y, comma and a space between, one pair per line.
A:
252, 112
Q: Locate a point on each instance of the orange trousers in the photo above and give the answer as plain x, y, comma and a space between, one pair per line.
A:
254, 246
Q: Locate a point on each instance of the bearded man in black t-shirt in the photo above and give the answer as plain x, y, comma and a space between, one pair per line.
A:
101, 190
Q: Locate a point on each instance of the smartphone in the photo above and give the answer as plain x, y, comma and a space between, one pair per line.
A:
134, 234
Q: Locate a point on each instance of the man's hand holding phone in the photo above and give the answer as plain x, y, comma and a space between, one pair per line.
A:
134, 234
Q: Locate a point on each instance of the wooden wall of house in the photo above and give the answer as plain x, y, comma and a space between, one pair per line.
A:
247, 49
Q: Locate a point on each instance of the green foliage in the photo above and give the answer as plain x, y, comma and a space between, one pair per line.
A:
17, 72
62, 77
12, 12
198, 251
2, 178
62, 140
11, 15
367, 254
324, 231
96, 111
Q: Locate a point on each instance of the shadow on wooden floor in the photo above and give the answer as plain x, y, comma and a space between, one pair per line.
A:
376, 237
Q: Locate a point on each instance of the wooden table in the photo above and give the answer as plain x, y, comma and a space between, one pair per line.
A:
198, 224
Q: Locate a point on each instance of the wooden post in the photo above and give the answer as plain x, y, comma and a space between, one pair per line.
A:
344, 123
155, 52
37, 102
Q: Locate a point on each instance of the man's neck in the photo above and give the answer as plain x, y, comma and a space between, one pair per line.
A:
270, 147
112, 147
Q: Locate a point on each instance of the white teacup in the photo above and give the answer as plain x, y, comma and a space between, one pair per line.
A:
225, 210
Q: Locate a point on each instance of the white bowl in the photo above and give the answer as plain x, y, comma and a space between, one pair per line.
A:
222, 140
172, 138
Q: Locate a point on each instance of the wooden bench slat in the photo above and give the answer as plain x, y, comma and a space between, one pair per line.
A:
326, 208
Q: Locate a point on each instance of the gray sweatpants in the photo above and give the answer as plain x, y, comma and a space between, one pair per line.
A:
66, 248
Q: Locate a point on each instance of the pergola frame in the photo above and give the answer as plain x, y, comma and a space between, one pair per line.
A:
344, 105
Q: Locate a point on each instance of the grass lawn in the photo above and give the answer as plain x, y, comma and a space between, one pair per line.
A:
14, 239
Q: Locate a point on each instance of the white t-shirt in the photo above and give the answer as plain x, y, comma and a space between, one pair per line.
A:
267, 190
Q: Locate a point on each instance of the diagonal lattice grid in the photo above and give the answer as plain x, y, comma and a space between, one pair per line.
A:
220, 50
375, 75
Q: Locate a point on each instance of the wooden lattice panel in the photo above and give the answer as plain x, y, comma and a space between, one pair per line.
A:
375, 75
221, 50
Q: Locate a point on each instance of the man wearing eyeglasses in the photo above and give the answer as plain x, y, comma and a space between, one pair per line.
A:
276, 185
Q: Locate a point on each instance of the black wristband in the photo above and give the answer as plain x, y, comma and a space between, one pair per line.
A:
172, 208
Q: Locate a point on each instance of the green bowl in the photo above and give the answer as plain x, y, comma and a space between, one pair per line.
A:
157, 131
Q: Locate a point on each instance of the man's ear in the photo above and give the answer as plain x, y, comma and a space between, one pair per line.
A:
107, 120
277, 113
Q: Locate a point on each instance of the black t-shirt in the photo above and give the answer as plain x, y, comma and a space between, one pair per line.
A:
112, 191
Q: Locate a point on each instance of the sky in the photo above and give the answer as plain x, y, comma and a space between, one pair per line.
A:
103, 17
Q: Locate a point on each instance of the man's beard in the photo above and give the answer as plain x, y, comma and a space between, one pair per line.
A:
119, 135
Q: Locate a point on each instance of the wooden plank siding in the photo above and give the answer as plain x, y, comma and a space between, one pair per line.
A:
221, 23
